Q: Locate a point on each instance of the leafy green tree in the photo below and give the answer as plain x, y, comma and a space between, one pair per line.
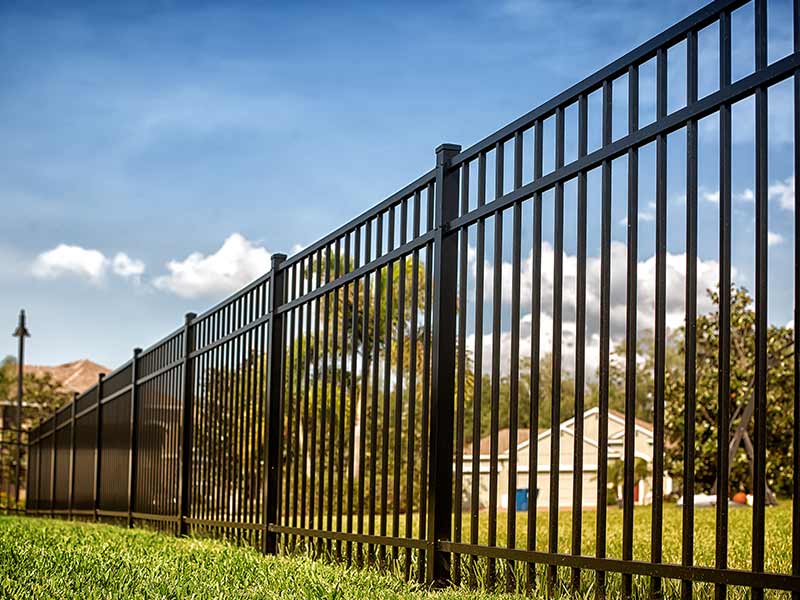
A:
567, 403
780, 396
645, 364
309, 355
42, 396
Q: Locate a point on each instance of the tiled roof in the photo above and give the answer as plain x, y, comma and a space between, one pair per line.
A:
75, 376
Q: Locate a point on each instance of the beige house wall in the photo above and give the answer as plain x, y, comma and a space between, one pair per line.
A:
643, 448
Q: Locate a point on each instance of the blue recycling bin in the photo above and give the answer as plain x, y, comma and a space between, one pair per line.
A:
522, 499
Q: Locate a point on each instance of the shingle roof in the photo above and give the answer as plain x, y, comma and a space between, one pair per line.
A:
502, 441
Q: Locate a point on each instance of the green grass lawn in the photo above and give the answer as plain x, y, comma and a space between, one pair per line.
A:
778, 536
777, 526
43, 558
778, 547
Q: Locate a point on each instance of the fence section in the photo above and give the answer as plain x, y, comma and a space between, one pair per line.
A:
430, 386
13, 460
355, 393
225, 419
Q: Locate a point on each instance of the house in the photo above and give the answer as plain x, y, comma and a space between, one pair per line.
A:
485, 466
76, 376
643, 448
72, 377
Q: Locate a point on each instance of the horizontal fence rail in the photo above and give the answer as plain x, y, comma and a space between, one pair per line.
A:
452, 385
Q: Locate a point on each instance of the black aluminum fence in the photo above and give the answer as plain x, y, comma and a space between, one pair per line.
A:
13, 444
336, 405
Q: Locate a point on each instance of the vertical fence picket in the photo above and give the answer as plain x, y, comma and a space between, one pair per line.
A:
630, 327
187, 404
660, 322
494, 404
724, 326
605, 301
690, 356
513, 409
555, 389
761, 284
98, 446
53, 466
477, 399
71, 478
796, 314
133, 434
28, 448
580, 345
534, 392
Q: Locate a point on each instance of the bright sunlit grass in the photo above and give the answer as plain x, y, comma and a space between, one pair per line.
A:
44, 558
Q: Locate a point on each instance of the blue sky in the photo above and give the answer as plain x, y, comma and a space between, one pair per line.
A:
155, 154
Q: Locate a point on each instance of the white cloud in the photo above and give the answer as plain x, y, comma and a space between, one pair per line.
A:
783, 193
774, 239
85, 263
781, 106
235, 264
645, 216
71, 260
125, 266
707, 278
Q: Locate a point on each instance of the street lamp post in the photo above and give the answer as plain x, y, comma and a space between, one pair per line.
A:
21, 332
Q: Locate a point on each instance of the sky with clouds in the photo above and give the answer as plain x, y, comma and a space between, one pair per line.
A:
156, 153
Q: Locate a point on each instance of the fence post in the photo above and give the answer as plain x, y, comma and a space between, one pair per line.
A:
187, 402
133, 434
53, 466
273, 428
445, 269
72, 455
97, 444
38, 468
28, 472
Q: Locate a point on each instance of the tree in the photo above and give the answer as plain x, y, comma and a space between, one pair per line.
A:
780, 396
42, 396
645, 363
311, 353
567, 403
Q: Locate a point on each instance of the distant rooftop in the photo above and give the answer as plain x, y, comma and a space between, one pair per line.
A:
76, 376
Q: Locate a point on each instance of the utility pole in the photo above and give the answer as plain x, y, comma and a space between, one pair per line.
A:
21, 332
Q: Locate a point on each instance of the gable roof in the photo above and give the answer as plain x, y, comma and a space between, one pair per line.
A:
566, 427
76, 376
646, 425
502, 441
